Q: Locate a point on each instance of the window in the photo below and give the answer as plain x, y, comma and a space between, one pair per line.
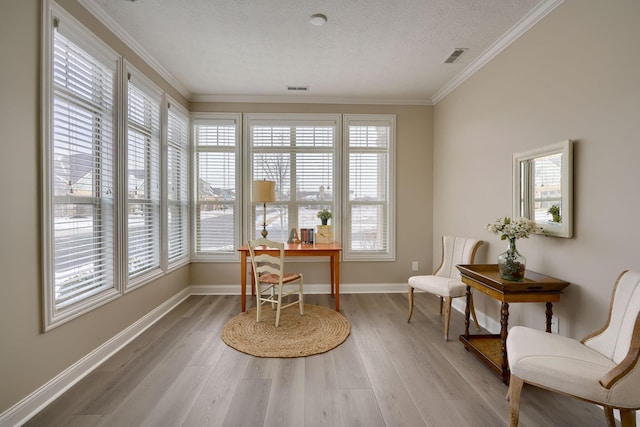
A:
143, 176
79, 165
299, 153
177, 183
115, 208
369, 195
217, 172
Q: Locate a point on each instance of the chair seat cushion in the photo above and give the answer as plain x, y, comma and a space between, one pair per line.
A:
558, 363
443, 286
274, 279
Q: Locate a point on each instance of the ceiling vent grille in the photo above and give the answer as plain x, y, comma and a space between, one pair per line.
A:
298, 88
457, 53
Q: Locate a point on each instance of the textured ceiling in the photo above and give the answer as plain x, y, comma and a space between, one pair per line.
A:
377, 50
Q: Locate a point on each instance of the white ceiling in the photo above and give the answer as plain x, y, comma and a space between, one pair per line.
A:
369, 51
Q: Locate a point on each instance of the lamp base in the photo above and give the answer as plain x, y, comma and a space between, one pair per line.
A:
264, 231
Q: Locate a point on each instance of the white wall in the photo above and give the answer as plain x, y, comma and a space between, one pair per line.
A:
575, 75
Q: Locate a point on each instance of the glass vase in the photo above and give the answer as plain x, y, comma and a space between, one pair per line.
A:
511, 263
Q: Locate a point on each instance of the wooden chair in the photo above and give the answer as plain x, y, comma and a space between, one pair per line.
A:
445, 281
602, 368
272, 283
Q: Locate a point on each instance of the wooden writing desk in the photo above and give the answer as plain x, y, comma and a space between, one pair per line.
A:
535, 287
331, 250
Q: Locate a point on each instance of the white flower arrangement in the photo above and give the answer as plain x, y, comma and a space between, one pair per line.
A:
507, 228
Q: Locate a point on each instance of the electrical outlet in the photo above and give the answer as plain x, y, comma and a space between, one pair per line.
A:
555, 328
414, 266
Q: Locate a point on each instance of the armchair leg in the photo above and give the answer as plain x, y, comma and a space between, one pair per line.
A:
628, 417
515, 388
608, 414
410, 304
447, 316
441, 300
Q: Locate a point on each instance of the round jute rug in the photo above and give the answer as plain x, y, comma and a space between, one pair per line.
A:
320, 329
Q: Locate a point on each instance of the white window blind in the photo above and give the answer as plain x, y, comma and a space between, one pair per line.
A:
217, 164
143, 177
177, 184
298, 152
79, 181
369, 197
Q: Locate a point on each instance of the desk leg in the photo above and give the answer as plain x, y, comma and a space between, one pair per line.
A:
332, 260
243, 281
549, 314
337, 279
504, 322
467, 313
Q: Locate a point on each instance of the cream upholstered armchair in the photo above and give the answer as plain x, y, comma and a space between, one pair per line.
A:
272, 282
603, 368
445, 281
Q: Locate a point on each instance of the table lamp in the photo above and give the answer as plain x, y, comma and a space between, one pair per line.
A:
264, 192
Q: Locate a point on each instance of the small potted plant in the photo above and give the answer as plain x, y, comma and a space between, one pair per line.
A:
324, 216
554, 211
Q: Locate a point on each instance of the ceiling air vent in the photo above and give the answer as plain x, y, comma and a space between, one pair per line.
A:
298, 88
457, 53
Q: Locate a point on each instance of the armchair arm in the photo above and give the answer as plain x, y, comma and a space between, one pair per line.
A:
628, 363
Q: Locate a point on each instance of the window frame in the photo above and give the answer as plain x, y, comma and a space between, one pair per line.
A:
219, 119
55, 18
251, 211
350, 254
170, 106
150, 89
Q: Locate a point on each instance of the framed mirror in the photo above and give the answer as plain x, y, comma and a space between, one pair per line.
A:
543, 188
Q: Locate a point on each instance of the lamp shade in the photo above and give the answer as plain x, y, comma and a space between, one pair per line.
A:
264, 191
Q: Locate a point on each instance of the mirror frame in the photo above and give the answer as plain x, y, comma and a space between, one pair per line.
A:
548, 228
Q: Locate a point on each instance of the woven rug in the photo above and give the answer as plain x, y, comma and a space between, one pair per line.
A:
319, 330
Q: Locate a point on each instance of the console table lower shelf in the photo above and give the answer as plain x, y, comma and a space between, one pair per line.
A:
485, 278
487, 347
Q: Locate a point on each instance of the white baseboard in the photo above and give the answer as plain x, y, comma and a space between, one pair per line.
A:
22, 411
345, 288
491, 325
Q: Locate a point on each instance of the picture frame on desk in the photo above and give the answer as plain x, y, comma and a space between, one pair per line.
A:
324, 234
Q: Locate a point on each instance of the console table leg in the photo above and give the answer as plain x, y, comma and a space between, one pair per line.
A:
467, 313
504, 322
549, 314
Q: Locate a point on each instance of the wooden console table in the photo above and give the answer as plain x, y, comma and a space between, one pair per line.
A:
535, 287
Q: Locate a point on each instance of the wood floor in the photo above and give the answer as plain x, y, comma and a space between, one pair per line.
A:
387, 373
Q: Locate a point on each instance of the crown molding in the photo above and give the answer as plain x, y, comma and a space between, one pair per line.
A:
526, 23
521, 27
304, 99
136, 47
